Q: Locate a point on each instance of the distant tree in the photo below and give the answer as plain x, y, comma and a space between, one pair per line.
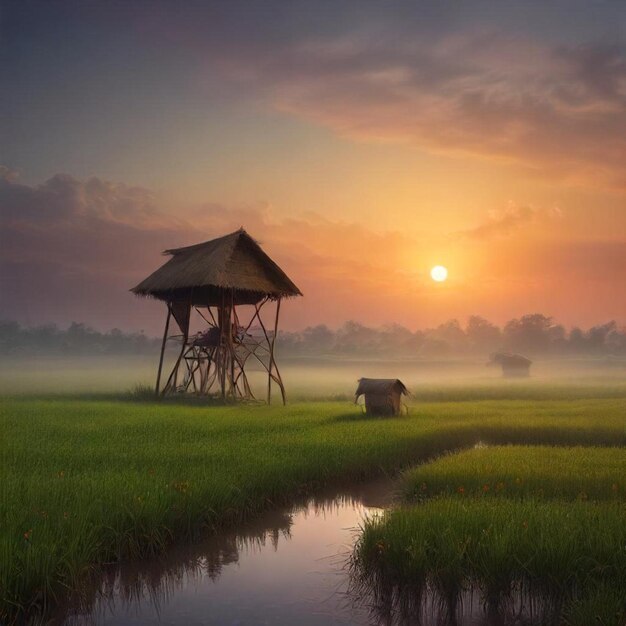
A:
355, 338
318, 338
557, 336
482, 335
597, 336
10, 336
530, 333
577, 343
46, 338
452, 335
396, 339
616, 341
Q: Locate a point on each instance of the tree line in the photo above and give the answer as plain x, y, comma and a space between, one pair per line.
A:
533, 335
77, 339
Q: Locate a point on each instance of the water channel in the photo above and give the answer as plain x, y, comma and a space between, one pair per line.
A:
288, 567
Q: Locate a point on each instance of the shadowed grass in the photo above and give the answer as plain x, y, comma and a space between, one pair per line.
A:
87, 481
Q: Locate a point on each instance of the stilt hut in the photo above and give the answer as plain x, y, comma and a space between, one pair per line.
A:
215, 280
513, 365
383, 396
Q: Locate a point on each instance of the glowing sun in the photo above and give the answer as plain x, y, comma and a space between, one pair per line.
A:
439, 273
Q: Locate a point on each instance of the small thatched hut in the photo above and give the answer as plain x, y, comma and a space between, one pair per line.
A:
216, 279
513, 365
383, 396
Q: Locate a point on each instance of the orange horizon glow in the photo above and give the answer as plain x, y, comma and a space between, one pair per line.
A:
362, 148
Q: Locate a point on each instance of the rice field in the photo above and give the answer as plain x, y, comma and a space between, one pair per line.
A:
508, 523
522, 472
89, 479
554, 554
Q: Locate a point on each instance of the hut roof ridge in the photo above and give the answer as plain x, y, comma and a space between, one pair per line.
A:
380, 385
234, 261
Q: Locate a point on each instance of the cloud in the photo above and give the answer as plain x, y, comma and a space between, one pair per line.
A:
511, 218
7, 174
556, 110
71, 249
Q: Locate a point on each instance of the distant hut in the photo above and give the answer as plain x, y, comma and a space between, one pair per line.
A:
513, 365
216, 279
383, 396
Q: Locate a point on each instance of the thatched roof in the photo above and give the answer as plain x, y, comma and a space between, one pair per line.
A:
205, 273
380, 386
511, 360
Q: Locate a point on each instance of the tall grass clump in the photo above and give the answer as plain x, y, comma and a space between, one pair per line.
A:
554, 552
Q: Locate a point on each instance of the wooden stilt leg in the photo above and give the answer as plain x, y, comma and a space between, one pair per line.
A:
174, 374
231, 344
223, 322
167, 325
272, 359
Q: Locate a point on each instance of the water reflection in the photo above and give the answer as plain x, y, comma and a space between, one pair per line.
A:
428, 605
287, 566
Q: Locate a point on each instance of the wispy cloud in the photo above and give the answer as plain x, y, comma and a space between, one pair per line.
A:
555, 110
505, 221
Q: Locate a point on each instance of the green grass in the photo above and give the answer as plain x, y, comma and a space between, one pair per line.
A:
90, 480
523, 472
536, 520
549, 549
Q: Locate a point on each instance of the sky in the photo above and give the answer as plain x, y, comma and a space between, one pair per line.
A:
360, 142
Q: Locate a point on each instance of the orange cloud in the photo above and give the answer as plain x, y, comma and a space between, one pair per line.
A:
510, 219
72, 249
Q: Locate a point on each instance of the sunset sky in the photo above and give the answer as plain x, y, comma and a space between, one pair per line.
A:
360, 142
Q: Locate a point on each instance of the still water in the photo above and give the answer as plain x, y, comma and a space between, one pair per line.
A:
288, 567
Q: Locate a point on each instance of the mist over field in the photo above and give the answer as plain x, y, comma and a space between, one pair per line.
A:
321, 363
312, 378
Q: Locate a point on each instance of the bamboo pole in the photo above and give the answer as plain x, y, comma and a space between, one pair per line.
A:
272, 359
173, 377
231, 344
221, 355
167, 325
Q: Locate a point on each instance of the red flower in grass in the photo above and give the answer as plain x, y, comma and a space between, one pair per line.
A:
27, 534
461, 490
181, 487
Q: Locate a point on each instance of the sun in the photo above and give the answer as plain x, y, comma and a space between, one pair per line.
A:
439, 273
